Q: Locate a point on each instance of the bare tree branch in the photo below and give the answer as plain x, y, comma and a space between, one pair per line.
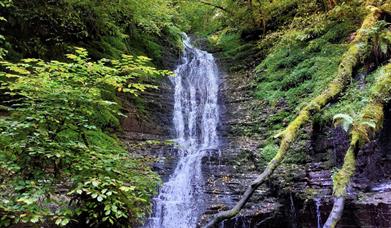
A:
215, 6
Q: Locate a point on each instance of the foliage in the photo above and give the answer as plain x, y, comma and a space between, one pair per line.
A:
343, 73
356, 95
356, 98
301, 60
3, 4
107, 30
241, 15
56, 150
301, 64
198, 18
343, 120
226, 40
369, 122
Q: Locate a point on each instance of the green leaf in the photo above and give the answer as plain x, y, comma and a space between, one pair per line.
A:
343, 120
64, 222
95, 183
34, 219
61, 123
58, 221
383, 47
127, 189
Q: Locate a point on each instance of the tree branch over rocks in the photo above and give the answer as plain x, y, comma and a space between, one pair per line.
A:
357, 52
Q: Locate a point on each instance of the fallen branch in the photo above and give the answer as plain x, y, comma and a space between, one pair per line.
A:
370, 122
355, 54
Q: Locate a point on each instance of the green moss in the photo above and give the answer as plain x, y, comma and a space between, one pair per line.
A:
268, 152
355, 97
342, 178
297, 156
363, 128
371, 113
274, 122
245, 130
295, 70
99, 139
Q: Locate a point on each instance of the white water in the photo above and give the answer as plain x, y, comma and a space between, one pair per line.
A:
196, 116
383, 187
318, 202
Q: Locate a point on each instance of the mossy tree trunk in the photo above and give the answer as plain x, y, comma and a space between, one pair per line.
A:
358, 50
369, 123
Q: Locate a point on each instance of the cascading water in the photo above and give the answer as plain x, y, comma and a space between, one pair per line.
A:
318, 215
196, 116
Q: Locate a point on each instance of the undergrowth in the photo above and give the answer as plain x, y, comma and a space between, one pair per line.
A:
60, 163
298, 65
297, 69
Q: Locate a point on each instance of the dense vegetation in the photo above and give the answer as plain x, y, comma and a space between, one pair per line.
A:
48, 29
57, 139
61, 162
307, 55
60, 159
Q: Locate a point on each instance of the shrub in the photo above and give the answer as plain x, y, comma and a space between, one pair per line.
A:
58, 161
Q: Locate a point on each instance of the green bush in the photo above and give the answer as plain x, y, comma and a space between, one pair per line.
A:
58, 161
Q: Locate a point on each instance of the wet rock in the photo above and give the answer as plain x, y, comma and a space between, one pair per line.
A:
288, 198
147, 131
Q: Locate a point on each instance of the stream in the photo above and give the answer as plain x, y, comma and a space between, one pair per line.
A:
195, 119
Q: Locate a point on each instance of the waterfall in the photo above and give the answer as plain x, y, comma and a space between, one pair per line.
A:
196, 116
318, 215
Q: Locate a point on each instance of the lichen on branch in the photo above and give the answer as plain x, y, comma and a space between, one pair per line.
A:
369, 122
357, 52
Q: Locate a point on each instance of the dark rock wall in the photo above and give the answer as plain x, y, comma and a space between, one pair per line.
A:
228, 174
288, 199
147, 128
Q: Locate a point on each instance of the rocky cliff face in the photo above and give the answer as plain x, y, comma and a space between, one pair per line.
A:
227, 175
147, 128
300, 191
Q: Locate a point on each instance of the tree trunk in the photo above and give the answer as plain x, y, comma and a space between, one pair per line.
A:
353, 57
